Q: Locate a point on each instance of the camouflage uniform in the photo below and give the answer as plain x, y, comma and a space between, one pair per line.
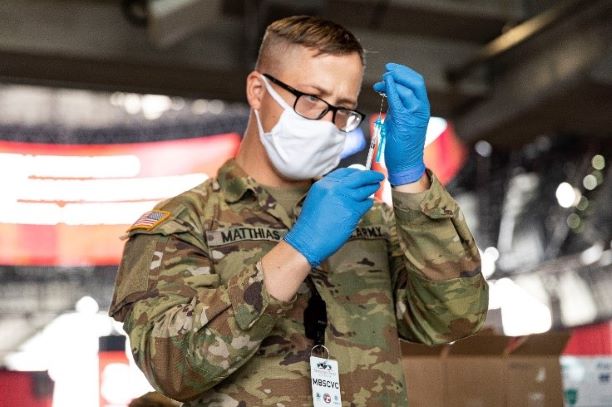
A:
203, 328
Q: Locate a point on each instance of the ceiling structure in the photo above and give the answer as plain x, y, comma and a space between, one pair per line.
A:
505, 71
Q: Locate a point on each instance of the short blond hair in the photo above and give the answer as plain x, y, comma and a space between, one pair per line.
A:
324, 36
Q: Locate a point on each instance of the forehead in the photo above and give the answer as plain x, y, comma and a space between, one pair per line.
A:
340, 75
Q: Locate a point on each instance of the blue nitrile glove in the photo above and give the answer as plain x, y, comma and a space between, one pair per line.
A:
331, 211
405, 123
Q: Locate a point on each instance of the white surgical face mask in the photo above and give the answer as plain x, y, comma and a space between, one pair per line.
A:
300, 148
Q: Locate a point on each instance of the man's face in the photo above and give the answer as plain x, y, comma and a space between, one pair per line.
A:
334, 78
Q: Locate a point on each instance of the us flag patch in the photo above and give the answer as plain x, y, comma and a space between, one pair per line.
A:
149, 220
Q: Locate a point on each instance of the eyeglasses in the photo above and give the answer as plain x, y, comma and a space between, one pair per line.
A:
313, 107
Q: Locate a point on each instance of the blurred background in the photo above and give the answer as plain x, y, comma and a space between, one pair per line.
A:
108, 106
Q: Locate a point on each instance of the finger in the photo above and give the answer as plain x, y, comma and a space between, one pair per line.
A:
340, 173
393, 66
379, 87
363, 178
409, 78
408, 98
364, 206
360, 194
395, 103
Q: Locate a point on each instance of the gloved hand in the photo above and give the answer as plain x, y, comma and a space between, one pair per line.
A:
333, 207
406, 122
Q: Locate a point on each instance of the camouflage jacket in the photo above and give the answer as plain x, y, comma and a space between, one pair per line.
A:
205, 331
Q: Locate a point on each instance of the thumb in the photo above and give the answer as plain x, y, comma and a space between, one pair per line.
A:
379, 87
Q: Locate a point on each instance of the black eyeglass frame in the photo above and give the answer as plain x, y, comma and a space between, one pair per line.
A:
331, 107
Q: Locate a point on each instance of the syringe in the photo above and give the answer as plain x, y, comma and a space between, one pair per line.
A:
373, 143
376, 137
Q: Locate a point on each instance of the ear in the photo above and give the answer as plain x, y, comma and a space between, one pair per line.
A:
255, 89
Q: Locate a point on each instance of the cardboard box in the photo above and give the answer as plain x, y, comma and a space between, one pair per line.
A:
426, 366
486, 370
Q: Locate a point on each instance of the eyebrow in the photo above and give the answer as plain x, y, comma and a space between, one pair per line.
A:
323, 92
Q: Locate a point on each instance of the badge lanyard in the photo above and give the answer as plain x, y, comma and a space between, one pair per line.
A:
324, 373
315, 316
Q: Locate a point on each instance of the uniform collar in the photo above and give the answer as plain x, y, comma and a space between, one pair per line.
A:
235, 182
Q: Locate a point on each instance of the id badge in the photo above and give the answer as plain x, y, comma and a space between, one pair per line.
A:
325, 382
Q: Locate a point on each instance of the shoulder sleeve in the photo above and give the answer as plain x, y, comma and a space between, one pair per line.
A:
188, 330
440, 292
141, 253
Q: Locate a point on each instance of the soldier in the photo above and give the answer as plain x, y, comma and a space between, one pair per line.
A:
228, 289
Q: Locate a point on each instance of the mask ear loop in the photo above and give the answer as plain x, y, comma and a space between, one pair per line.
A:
275, 95
284, 105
